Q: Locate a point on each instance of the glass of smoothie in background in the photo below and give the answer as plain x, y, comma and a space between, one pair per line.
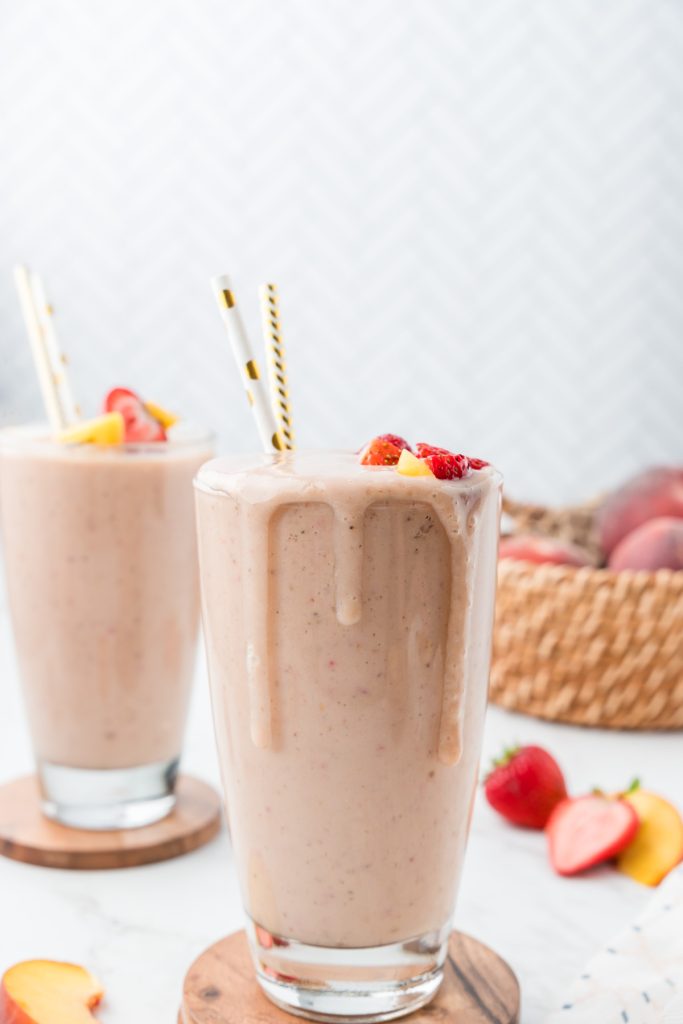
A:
347, 613
100, 558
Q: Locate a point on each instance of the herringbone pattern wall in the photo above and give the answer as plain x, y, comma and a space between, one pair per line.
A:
474, 211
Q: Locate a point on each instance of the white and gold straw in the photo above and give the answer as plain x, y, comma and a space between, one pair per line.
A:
48, 390
275, 361
57, 361
271, 438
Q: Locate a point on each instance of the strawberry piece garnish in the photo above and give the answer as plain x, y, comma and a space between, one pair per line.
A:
422, 450
380, 452
395, 439
139, 424
525, 785
444, 464
478, 463
587, 830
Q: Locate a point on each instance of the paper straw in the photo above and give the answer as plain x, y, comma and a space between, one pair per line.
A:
56, 359
271, 439
276, 362
22, 279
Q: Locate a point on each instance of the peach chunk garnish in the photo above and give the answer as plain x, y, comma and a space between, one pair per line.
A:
105, 429
410, 465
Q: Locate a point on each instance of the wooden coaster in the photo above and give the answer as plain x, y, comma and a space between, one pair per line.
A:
478, 988
27, 835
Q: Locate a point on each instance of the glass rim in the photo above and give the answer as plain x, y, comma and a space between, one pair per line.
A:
37, 437
262, 460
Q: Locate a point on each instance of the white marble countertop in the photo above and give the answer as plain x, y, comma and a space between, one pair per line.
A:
139, 929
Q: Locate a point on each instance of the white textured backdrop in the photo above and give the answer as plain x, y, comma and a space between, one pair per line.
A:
474, 211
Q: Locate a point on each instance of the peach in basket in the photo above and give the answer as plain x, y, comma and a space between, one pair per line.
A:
584, 643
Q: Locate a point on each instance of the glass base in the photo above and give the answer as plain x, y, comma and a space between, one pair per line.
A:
108, 798
374, 983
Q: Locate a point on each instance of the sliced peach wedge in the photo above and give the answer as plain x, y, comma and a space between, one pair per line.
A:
166, 418
658, 844
48, 992
106, 429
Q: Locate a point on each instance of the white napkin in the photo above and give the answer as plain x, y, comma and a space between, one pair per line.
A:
638, 977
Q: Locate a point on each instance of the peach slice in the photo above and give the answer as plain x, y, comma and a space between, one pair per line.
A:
410, 465
161, 415
106, 429
658, 843
48, 992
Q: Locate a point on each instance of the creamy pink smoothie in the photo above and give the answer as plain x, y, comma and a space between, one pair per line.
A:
347, 615
100, 559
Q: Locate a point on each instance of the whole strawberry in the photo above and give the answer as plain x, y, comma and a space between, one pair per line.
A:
525, 785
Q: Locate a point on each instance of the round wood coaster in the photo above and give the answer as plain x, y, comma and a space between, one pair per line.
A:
478, 988
27, 835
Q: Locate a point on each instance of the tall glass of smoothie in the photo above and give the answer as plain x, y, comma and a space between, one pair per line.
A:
348, 615
100, 558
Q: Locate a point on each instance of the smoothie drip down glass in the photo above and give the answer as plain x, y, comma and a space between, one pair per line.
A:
348, 616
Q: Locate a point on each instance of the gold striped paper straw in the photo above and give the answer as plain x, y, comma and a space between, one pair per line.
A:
271, 438
69, 412
275, 361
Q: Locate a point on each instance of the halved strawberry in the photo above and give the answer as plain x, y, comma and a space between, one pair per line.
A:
395, 439
444, 464
587, 830
478, 463
139, 424
380, 452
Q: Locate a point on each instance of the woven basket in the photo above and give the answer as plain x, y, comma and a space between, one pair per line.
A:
587, 646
